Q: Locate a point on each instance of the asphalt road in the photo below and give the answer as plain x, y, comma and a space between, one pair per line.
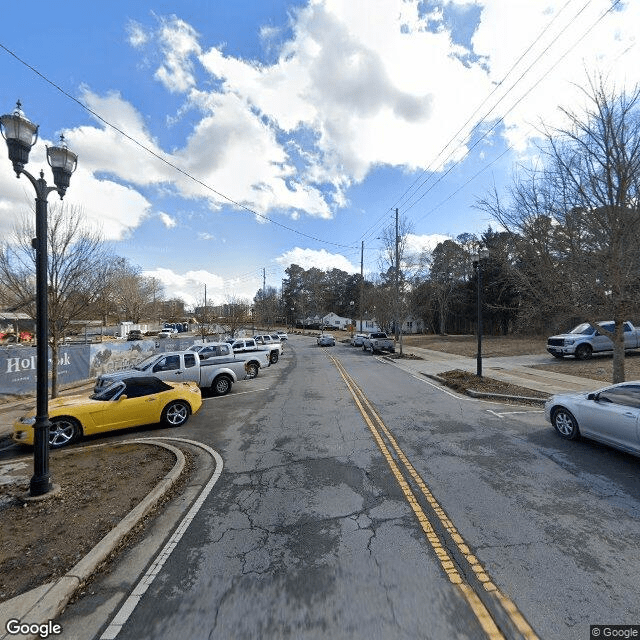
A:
319, 528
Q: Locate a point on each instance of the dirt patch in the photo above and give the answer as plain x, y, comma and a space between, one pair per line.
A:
41, 540
462, 380
468, 345
599, 367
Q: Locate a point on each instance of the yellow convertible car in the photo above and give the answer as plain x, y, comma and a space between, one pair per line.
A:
130, 402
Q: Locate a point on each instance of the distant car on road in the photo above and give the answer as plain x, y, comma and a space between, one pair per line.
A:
610, 415
326, 340
282, 335
127, 402
358, 339
135, 334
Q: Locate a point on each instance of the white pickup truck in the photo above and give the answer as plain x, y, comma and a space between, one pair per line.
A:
222, 352
377, 342
585, 339
178, 366
268, 342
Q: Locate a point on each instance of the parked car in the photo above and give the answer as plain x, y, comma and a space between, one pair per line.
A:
176, 366
126, 402
377, 342
326, 340
586, 339
610, 415
358, 339
135, 334
282, 335
274, 345
221, 353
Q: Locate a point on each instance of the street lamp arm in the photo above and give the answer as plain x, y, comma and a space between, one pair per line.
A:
39, 184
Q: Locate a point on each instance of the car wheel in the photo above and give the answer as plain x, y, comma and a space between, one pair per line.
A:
176, 414
63, 431
252, 369
583, 352
274, 357
221, 385
565, 424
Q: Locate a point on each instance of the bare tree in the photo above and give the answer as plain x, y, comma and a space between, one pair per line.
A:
584, 198
236, 314
77, 264
133, 294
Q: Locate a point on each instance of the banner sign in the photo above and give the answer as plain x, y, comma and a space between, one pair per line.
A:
18, 367
79, 362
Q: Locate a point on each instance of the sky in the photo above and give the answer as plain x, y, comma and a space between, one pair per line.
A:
219, 142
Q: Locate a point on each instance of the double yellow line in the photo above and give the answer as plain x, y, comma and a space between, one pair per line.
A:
495, 612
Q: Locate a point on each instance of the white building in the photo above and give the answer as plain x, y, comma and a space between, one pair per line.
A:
334, 321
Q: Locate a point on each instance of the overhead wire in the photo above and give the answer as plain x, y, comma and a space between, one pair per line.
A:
453, 165
164, 160
353, 247
399, 200
510, 147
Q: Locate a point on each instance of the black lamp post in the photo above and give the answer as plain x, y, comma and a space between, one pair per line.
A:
477, 258
21, 134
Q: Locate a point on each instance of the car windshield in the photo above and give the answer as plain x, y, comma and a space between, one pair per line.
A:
108, 392
584, 329
143, 364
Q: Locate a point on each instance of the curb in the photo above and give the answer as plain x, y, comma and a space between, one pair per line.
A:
53, 598
487, 395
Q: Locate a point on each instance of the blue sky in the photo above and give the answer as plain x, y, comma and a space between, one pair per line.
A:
291, 130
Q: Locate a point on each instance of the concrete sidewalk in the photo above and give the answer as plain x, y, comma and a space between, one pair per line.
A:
506, 369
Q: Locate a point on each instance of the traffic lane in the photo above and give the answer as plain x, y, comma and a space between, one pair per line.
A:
307, 534
554, 525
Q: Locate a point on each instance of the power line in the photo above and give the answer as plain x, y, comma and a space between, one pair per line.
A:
167, 162
398, 202
553, 66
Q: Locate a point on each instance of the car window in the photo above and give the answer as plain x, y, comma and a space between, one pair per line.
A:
115, 388
224, 350
189, 360
168, 363
627, 395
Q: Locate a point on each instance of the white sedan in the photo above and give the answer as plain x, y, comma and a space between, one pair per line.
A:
610, 415
326, 340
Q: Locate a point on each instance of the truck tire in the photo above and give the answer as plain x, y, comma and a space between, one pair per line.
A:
252, 368
273, 358
221, 385
583, 352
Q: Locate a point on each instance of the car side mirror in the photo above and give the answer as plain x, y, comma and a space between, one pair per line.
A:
592, 396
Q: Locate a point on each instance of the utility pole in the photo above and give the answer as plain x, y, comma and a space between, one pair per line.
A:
397, 278
361, 282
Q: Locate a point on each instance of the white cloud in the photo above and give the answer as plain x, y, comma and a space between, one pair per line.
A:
416, 244
113, 208
321, 259
190, 286
136, 34
167, 220
179, 41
